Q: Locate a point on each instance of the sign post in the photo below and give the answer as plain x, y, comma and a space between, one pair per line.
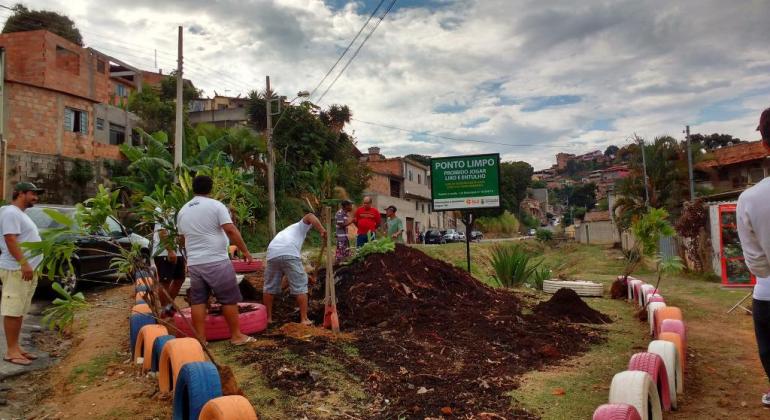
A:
465, 183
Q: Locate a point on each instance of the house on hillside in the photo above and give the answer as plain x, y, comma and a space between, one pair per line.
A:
597, 228
404, 183
63, 104
535, 208
221, 111
733, 168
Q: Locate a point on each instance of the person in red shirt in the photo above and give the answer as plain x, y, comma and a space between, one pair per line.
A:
367, 220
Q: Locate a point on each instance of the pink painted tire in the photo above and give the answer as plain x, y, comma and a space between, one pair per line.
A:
656, 298
674, 326
616, 412
670, 312
654, 366
241, 266
251, 322
633, 286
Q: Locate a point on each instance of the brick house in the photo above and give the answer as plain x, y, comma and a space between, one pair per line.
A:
404, 183
61, 110
733, 168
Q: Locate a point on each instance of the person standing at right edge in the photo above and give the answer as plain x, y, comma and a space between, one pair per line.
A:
753, 214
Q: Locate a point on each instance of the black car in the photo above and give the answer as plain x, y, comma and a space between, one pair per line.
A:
434, 236
89, 260
476, 235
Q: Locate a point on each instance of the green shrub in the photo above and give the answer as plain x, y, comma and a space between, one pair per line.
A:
540, 275
504, 224
512, 264
544, 235
377, 246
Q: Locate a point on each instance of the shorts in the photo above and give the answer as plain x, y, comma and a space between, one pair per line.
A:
293, 269
168, 272
217, 277
17, 293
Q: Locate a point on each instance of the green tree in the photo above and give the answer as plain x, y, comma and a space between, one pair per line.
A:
24, 19
611, 151
515, 178
714, 141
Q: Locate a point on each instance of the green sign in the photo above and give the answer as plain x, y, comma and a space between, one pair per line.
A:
465, 182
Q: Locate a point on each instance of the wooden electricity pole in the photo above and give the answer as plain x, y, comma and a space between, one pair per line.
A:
179, 130
270, 159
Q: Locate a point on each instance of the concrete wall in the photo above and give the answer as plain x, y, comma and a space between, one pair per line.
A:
601, 233
115, 115
418, 185
221, 118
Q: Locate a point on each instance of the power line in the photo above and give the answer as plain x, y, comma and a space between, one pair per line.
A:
355, 54
347, 48
457, 139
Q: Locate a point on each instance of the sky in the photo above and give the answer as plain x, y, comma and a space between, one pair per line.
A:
523, 78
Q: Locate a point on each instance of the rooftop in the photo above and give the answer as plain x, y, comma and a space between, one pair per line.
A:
731, 155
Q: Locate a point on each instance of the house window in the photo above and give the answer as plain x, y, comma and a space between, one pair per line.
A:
117, 134
76, 120
419, 179
121, 91
100, 123
416, 206
67, 60
395, 188
410, 175
100, 66
423, 208
756, 175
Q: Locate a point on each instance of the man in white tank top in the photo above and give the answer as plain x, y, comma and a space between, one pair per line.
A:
753, 214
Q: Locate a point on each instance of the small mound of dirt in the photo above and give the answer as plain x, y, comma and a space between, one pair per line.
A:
565, 304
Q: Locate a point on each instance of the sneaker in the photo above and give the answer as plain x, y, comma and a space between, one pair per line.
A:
766, 399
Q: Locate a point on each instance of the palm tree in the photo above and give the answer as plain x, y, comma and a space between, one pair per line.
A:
336, 117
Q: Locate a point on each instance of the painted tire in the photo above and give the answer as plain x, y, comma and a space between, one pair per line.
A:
141, 288
667, 351
643, 291
197, 384
136, 322
175, 354
241, 266
140, 296
231, 407
216, 327
656, 298
637, 389
582, 288
670, 312
632, 288
677, 327
616, 412
654, 366
638, 290
141, 308
157, 349
678, 343
144, 341
652, 308
144, 280
140, 302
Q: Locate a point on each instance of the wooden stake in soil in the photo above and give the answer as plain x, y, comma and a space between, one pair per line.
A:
331, 318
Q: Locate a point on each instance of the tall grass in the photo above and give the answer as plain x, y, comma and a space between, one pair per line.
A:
504, 224
512, 264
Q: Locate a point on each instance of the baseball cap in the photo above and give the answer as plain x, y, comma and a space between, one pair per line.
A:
28, 186
391, 208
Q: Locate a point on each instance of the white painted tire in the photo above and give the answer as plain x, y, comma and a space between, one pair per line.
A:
582, 288
667, 351
636, 388
645, 290
651, 308
631, 284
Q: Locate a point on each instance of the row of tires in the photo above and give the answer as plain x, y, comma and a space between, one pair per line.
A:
653, 380
181, 368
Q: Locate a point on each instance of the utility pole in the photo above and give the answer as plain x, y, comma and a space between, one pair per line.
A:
270, 159
179, 130
644, 167
689, 165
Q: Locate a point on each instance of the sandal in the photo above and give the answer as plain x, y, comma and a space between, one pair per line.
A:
307, 323
21, 361
29, 356
249, 339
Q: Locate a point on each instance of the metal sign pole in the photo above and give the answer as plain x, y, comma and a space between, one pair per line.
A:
468, 220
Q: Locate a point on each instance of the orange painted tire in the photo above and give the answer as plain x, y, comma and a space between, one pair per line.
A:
669, 312
231, 407
142, 308
144, 342
146, 281
677, 340
176, 353
140, 296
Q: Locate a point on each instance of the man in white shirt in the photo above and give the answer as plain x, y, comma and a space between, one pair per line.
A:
206, 231
753, 215
17, 268
284, 256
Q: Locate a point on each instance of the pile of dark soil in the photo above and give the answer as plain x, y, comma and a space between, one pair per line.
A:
566, 304
439, 341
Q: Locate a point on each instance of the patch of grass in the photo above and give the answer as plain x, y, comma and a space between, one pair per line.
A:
87, 373
349, 349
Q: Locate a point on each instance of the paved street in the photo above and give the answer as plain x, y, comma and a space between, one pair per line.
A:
31, 327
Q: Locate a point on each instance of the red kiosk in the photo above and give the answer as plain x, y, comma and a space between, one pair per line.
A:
734, 270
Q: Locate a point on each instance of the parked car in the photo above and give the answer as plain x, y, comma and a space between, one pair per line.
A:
532, 232
451, 235
434, 236
88, 261
476, 235
460, 237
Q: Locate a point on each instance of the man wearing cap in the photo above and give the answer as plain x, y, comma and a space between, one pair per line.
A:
395, 225
753, 215
342, 221
17, 268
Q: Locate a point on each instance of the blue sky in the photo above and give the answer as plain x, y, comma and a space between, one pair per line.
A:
550, 75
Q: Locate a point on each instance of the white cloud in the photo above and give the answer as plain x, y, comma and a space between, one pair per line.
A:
646, 67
